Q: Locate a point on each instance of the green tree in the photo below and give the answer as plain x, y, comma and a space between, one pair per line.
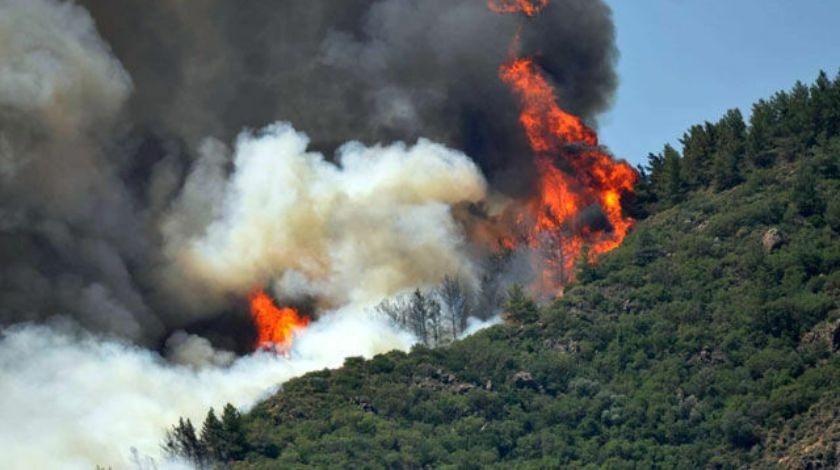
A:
729, 150
235, 444
832, 214
666, 176
646, 248
519, 306
698, 149
181, 442
806, 197
673, 185
760, 138
586, 269
826, 109
213, 437
799, 117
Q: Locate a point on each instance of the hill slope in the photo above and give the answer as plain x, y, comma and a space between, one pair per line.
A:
709, 338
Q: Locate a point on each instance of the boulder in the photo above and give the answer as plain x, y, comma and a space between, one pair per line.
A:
772, 240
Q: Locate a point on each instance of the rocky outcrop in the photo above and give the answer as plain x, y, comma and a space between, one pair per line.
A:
772, 240
444, 381
823, 335
524, 379
812, 441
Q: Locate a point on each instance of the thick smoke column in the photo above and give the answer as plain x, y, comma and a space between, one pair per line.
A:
96, 148
69, 229
125, 216
355, 69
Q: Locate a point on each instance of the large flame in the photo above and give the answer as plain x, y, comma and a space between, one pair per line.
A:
573, 173
276, 326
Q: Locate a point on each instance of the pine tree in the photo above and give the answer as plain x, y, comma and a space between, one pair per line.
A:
799, 118
181, 442
234, 437
698, 149
586, 270
760, 143
646, 248
213, 437
825, 118
729, 150
520, 307
674, 185
666, 176
806, 197
832, 108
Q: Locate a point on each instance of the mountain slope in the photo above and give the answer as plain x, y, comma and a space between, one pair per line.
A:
687, 346
709, 338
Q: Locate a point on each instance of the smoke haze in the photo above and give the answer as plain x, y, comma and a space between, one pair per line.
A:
74, 400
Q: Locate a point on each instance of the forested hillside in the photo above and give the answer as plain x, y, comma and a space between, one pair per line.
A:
709, 338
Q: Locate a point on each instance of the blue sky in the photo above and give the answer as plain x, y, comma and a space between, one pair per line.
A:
686, 61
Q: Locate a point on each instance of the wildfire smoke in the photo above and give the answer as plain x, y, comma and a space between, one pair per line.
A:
128, 224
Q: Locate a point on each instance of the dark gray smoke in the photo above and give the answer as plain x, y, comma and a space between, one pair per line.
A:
103, 109
354, 69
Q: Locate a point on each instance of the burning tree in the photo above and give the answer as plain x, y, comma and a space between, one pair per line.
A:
573, 172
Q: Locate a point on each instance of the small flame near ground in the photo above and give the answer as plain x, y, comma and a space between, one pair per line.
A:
552, 220
276, 326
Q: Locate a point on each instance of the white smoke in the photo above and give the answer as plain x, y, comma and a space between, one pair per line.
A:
377, 222
77, 401
474, 325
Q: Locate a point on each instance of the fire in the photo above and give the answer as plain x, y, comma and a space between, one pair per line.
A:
276, 326
573, 173
528, 7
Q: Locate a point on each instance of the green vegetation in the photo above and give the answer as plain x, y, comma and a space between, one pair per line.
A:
709, 338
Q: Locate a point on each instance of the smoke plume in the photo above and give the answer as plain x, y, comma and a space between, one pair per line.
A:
69, 230
117, 209
144, 192
368, 70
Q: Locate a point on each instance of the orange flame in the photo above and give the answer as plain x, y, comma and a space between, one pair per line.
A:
591, 178
276, 327
528, 7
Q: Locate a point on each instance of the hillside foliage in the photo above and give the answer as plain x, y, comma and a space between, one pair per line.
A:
708, 339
